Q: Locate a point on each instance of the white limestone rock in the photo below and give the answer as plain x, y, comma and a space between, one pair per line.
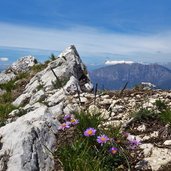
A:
5, 77
106, 102
21, 99
69, 69
167, 142
93, 109
40, 95
156, 157
26, 142
23, 64
56, 110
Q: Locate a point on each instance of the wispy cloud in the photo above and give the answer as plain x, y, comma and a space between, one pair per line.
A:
3, 59
89, 41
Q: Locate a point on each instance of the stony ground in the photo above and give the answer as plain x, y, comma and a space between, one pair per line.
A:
119, 109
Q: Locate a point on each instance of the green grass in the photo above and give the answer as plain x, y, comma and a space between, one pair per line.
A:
5, 109
6, 98
163, 114
38, 67
144, 114
9, 86
85, 154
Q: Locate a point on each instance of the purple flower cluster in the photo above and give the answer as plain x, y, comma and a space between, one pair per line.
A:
69, 121
102, 139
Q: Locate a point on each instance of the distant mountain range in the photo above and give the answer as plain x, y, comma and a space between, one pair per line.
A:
168, 65
115, 76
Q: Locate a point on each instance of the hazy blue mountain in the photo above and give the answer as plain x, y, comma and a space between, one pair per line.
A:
168, 65
115, 76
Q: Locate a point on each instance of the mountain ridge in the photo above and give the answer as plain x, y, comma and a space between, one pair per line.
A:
115, 76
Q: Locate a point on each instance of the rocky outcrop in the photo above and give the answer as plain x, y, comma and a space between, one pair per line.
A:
22, 65
27, 142
63, 76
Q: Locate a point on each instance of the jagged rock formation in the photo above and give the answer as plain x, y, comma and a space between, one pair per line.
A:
22, 65
28, 139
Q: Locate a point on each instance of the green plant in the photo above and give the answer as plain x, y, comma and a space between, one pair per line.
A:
22, 75
6, 98
144, 114
85, 150
40, 87
52, 57
165, 116
38, 67
161, 105
88, 120
21, 112
9, 86
5, 109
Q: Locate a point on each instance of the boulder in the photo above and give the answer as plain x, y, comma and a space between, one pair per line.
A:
26, 142
22, 65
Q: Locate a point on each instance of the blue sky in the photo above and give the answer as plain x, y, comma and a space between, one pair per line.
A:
138, 30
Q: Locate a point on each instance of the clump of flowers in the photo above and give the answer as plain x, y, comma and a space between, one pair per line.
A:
102, 139
107, 147
89, 132
69, 121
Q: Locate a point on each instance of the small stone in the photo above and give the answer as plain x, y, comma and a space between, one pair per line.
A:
141, 128
167, 142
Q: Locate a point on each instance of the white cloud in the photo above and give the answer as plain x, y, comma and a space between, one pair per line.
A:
118, 62
89, 41
3, 59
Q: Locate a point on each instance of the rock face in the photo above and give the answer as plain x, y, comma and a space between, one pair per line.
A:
25, 143
21, 65
71, 75
5, 77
